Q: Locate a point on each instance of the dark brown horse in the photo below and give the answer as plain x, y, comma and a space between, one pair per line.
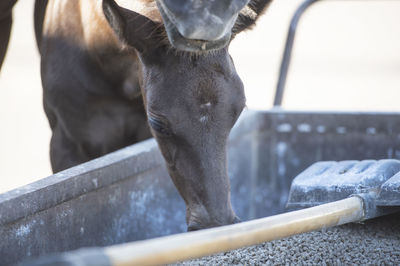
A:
109, 67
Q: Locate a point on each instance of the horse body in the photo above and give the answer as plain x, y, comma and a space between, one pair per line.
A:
109, 71
90, 85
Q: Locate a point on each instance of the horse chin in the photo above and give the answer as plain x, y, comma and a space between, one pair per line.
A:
189, 45
181, 43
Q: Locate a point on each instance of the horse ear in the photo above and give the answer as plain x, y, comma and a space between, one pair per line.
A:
249, 15
131, 28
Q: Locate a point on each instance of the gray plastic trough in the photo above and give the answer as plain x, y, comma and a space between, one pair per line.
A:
128, 195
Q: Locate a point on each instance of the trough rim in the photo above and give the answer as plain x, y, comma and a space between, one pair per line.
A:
32, 198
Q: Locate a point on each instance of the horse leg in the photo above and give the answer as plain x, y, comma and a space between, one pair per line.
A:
5, 26
39, 13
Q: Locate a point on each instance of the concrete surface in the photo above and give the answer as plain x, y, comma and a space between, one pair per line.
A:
346, 58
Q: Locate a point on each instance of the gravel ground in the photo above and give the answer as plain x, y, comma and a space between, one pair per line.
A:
375, 242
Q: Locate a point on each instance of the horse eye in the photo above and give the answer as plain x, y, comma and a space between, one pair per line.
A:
159, 126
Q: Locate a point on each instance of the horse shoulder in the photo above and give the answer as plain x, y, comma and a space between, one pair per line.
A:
97, 32
63, 20
78, 36
147, 8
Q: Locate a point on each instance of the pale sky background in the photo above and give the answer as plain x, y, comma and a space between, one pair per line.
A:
346, 57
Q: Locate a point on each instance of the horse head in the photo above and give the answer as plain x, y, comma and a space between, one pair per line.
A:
192, 101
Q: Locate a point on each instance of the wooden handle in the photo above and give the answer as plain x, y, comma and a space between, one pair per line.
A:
191, 245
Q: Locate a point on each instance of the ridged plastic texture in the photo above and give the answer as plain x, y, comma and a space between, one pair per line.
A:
329, 181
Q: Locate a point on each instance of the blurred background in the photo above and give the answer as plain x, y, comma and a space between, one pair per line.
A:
346, 58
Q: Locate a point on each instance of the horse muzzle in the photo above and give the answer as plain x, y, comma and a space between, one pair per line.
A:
195, 26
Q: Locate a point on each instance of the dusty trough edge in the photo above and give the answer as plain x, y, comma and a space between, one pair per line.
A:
79, 180
100, 172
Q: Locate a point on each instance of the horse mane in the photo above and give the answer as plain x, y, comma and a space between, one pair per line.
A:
249, 15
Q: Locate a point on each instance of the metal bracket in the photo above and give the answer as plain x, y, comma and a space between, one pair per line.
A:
287, 54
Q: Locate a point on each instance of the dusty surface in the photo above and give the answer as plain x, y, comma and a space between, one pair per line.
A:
376, 242
346, 57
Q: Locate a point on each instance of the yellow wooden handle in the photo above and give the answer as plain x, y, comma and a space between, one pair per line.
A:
190, 245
